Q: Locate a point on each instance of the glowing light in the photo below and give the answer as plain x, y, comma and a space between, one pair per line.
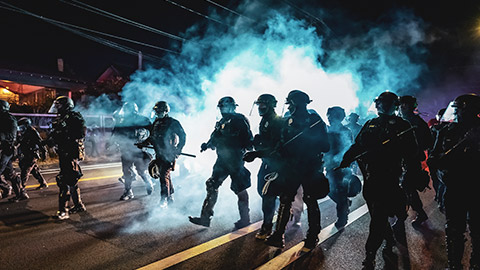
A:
5, 91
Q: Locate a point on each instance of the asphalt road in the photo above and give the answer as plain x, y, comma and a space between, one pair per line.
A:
115, 234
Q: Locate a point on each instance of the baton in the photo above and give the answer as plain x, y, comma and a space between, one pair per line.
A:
151, 147
383, 143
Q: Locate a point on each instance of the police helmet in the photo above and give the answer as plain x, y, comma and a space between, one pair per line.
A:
161, 106
267, 99
24, 121
468, 102
4, 106
336, 112
388, 98
226, 101
61, 104
408, 100
297, 97
129, 108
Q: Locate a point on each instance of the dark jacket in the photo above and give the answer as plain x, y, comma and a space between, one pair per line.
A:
67, 134
232, 136
29, 143
168, 138
8, 133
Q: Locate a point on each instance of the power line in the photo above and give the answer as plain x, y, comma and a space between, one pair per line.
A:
101, 33
227, 9
93, 38
196, 12
309, 15
122, 19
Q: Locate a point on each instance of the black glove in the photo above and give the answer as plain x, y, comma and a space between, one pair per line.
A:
203, 147
250, 156
140, 145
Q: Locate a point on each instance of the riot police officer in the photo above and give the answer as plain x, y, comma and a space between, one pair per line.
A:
303, 142
8, 134
457, 154
340, 139
30, 149
231, 138
437, 124
67, 135
352, 123
265, 143
384, 145
408, 105
130, 128
168, 138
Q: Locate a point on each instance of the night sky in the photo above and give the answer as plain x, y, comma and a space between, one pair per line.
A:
32, 44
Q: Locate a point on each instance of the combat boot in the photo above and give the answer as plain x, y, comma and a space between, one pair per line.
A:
202, 221
166, 201
61, 215
42, 186
264, 232
78, 208
277, 239
6, 192
311, 241
243, 210
127, 195
369, 262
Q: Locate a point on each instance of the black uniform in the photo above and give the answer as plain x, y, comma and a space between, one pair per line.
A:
425, 142
265, 143
340, 138
127, 131
303, 159
29, 149
231, 138
168, 139
382, 148
67, 135
436, 174
8, 133
457, 155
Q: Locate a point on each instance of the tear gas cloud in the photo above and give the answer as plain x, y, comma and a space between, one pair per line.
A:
252, 58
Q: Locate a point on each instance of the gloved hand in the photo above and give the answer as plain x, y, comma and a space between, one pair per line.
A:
140, 145
203, 147
250, 156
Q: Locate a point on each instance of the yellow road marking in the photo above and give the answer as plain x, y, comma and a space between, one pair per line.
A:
82, 179
290, 255
197, 250
278, 262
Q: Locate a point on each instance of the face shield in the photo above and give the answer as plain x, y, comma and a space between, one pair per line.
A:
53, 109
450, 114
226, 108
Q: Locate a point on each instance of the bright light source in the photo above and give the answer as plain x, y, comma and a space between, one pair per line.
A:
5, 91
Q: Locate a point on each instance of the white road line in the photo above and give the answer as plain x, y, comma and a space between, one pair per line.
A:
290, 255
